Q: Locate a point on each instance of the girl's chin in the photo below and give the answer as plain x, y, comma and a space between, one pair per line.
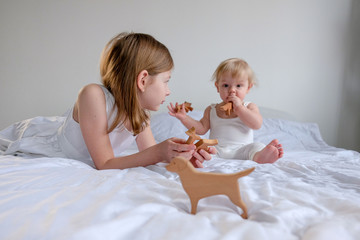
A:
154, 108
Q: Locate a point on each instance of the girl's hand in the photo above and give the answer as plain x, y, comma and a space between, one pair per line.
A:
178, 114
174, 147
199, 157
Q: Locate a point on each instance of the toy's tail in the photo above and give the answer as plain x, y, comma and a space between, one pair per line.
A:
244, 173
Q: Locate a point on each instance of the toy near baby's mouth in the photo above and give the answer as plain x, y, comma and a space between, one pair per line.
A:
227, 107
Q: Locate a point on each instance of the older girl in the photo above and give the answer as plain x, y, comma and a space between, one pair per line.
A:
106, 119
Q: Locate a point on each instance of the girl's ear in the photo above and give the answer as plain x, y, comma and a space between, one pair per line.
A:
142, 80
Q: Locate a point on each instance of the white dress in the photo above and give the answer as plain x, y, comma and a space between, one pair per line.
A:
236, 140
60, 136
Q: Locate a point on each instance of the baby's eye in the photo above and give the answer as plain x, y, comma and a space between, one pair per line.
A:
239, 85
226, 85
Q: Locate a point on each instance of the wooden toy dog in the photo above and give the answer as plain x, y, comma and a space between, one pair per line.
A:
187, 107
199, 185
227, 108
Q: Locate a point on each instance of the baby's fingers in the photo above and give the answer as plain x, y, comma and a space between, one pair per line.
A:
171, 108
212, 150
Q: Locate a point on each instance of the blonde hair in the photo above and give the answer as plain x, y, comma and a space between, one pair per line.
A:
122, 59
236, 67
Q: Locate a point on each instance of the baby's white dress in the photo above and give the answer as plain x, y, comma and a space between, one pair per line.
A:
236, 140
60, 136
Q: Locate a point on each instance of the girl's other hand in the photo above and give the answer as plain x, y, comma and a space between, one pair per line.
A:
174, 147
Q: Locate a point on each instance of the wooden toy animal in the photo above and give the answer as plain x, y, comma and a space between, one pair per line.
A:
187, 107
227, 108
192, 136
200, 144
199, 185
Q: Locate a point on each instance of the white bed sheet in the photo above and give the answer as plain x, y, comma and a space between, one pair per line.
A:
313, 192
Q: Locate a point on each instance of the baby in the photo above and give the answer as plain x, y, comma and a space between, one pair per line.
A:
233, 127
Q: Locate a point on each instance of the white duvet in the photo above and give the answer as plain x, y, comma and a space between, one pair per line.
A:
313, 192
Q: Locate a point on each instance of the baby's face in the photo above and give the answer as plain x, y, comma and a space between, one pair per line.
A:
233, 86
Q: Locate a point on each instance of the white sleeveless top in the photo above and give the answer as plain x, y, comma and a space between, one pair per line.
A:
60, 136
229, 131
72, 143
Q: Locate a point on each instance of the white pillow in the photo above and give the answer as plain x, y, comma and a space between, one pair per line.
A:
165, 126
291, 134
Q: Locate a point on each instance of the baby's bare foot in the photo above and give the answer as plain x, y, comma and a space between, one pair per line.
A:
272, 152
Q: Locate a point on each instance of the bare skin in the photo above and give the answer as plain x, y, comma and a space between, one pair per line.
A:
90, 113
269, 154
233, 90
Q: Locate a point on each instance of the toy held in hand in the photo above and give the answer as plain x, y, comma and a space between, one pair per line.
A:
227, 108
187, 107
192, 136
200, 144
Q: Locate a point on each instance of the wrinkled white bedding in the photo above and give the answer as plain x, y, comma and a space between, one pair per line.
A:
313, 192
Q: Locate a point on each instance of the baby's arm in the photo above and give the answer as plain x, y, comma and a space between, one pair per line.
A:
249, 115
201, 126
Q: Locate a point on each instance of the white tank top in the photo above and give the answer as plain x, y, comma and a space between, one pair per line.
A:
73, 145
229, 131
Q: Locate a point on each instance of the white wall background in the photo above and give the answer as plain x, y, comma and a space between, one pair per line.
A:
299, 50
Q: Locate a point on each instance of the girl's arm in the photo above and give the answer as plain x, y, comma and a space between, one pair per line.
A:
164, 151
146, 139
90, 113
201, 126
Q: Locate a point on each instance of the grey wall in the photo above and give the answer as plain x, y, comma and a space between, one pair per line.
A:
349, 126
298, 49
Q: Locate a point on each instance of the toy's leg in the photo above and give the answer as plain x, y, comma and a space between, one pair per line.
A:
242, 205
194, 203
236, 199
244, 215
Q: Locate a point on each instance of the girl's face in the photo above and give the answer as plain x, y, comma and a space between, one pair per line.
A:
227, 86
155, 91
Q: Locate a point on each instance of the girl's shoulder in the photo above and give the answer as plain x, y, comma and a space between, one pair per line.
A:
96, 92
92, 97
91, 89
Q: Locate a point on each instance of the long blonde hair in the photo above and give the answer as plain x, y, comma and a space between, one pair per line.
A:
122, 59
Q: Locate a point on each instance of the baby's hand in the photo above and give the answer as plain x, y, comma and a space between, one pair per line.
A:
179, 114
200, 156
236, 101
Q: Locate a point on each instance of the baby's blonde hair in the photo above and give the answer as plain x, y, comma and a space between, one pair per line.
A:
236, 67
122, 60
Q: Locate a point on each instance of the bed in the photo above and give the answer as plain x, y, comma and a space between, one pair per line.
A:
313, 192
